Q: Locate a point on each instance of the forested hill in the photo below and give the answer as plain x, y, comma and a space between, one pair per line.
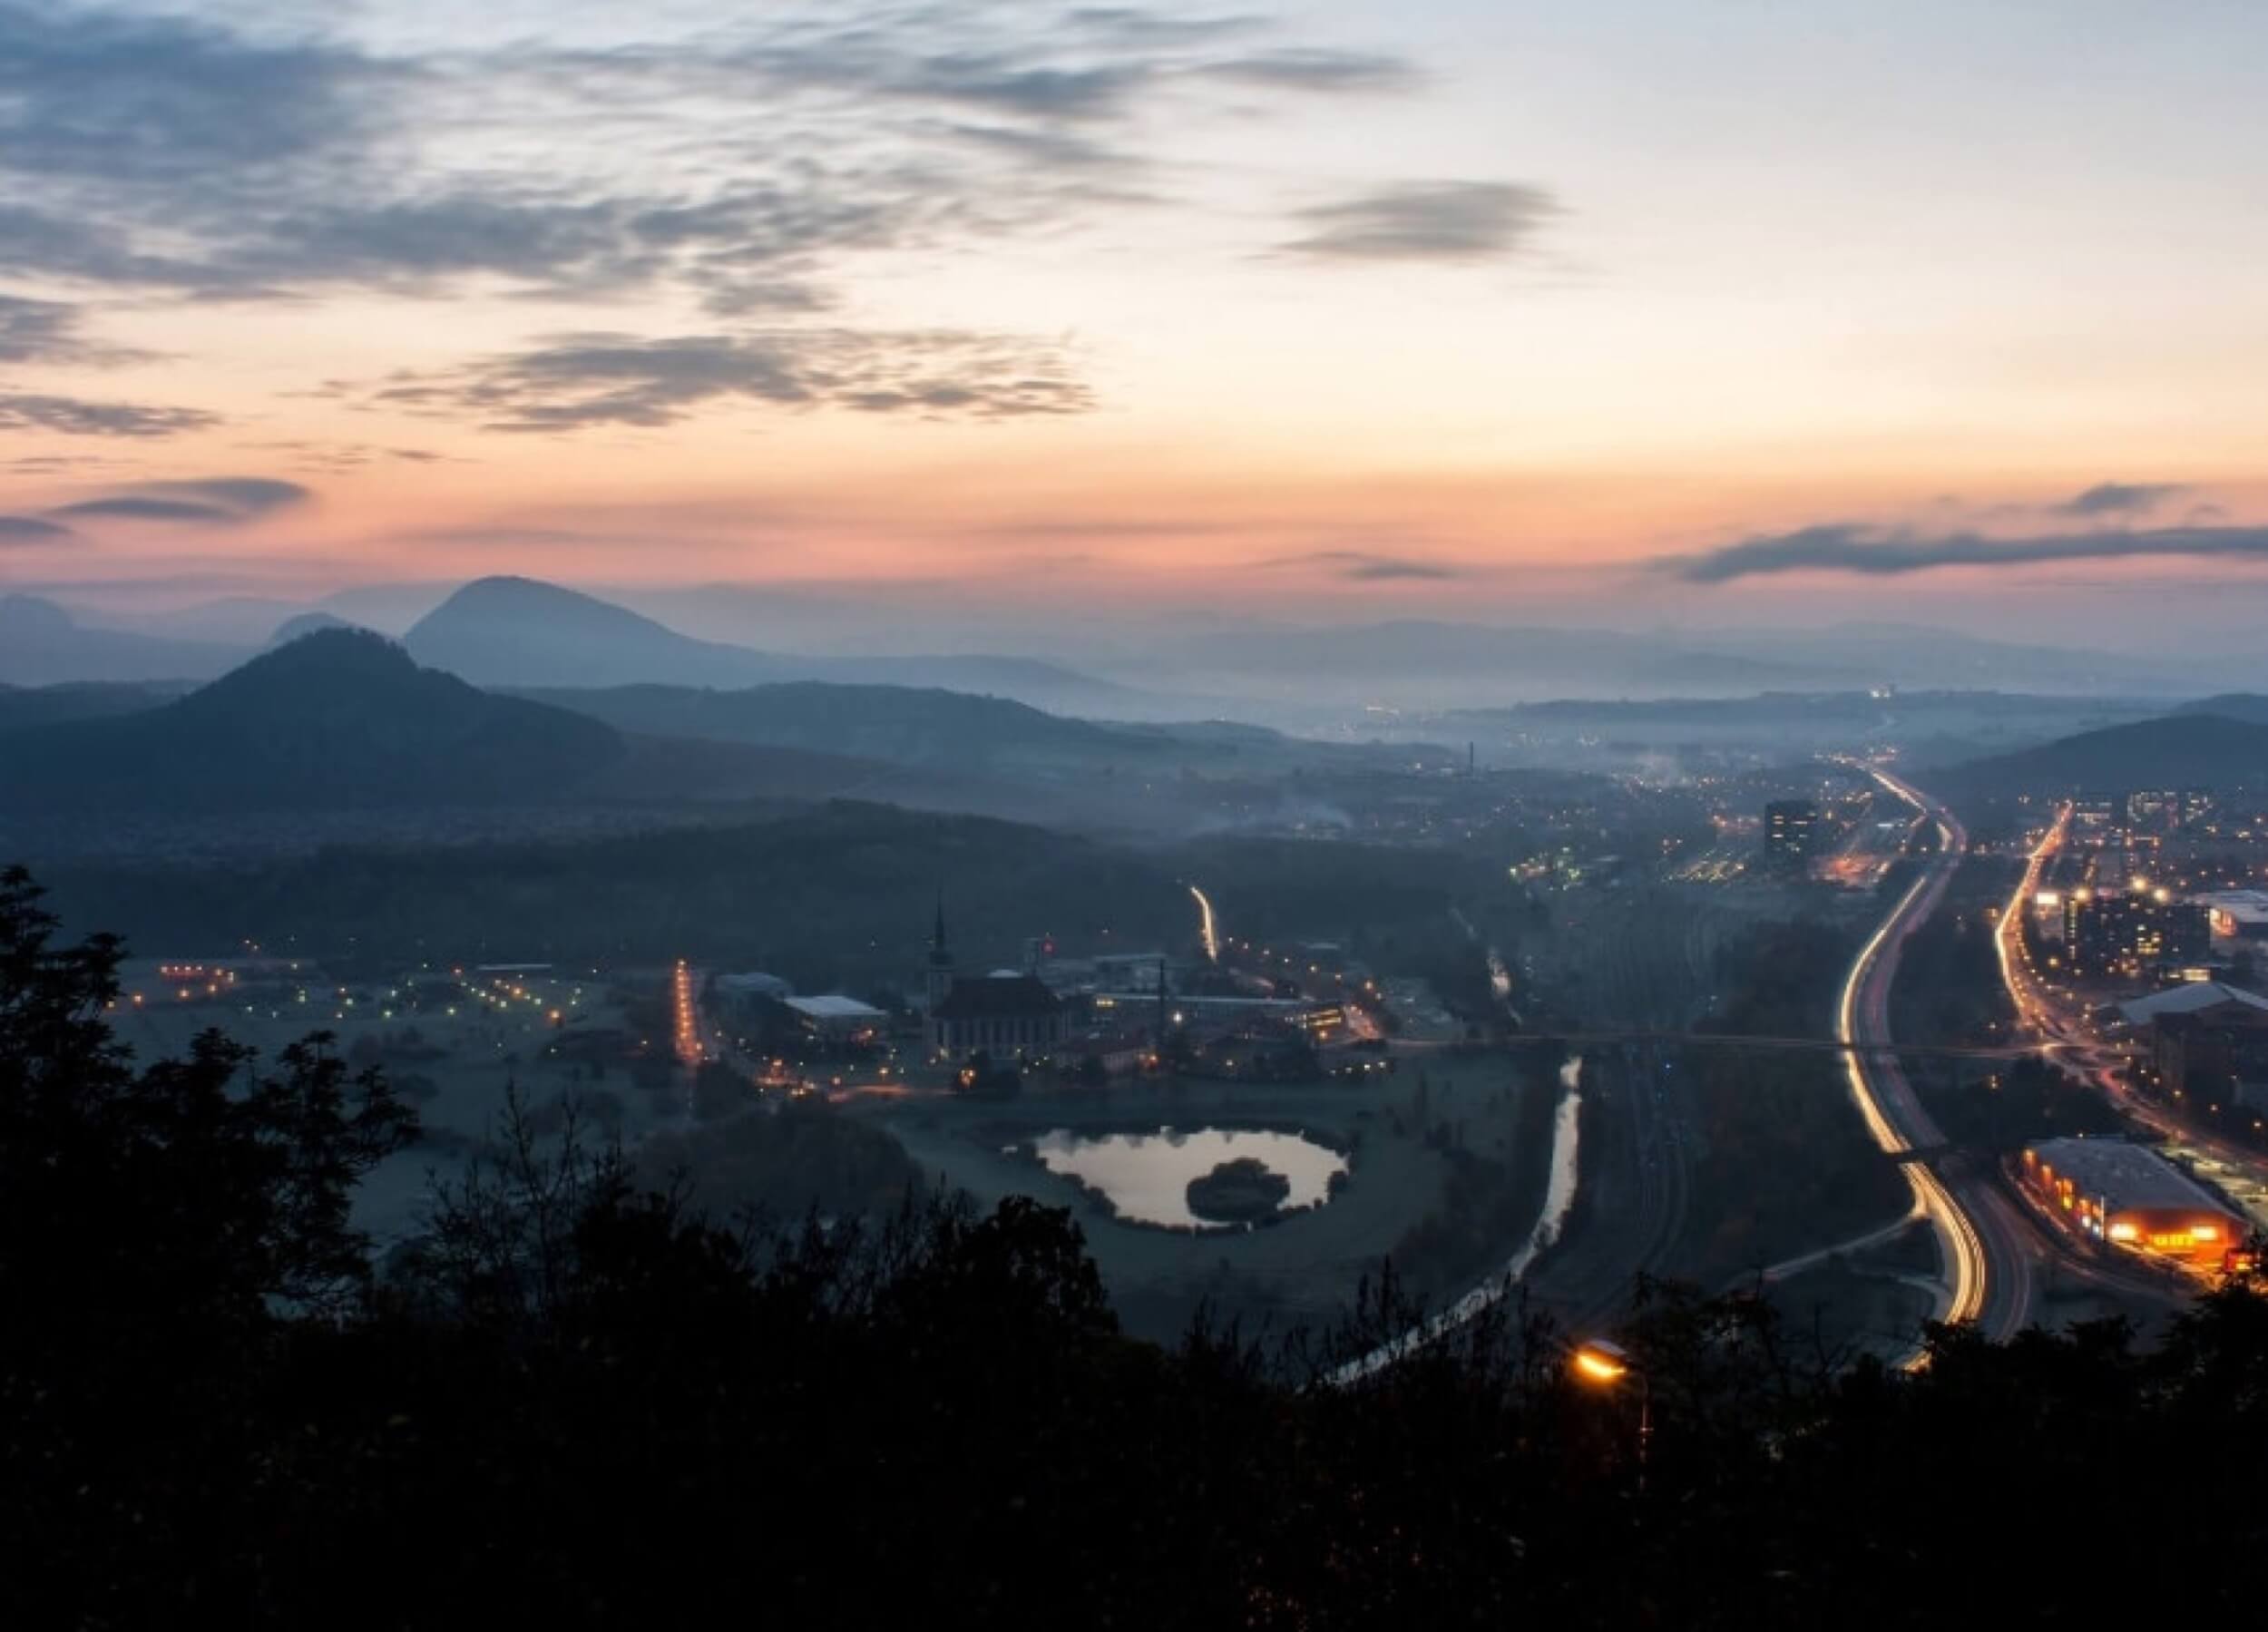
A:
339, 718
2181, 750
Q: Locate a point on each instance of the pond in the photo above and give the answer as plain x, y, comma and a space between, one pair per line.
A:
1147, 1175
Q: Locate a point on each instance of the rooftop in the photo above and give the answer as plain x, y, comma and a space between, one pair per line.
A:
995, 997
834, 1006
2193, 998
2245, 907
2124, 1174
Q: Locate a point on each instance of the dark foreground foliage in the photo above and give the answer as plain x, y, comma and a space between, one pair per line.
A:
575, 1405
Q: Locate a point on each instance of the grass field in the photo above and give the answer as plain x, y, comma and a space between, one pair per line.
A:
1304, 1269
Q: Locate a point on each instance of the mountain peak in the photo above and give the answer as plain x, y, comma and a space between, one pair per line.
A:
30, 615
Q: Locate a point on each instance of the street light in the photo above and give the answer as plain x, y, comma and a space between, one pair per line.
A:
1603, 1364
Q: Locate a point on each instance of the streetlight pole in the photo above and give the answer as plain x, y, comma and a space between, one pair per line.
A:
1604, 1364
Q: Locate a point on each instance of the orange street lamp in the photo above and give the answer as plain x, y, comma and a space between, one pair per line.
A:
1604, 1364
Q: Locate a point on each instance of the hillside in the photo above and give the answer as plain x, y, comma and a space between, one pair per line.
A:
338, 720
900, 724
41, 644
524, 634
2231, 705
2180, 750
26, 706
518, 631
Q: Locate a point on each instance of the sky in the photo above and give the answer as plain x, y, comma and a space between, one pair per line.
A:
1645, 312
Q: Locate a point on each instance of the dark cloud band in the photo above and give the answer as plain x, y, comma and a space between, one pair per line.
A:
1873, 552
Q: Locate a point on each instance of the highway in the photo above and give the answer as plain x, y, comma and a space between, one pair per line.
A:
1987, 1255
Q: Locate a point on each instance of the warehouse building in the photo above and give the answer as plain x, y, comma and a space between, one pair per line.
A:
2131, 1197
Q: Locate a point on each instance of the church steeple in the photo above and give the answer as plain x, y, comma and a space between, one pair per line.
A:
940, 978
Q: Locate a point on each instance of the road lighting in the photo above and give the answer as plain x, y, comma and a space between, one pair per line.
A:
1603, 1364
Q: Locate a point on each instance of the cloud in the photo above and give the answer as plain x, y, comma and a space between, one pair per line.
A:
1362, 566
76, 416
32, 530
1296, 69
130, 508
246, 496
572, 381
214, 501
1425, 220
2121, 498
49, 331
119, 97
755, 168
1875, 551
744, 161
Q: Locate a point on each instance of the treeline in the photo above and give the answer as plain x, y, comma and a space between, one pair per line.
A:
833, 897
574, 1404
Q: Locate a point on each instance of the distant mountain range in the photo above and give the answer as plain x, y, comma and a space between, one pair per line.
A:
522, 633
2187, 750
343, 719
1445, 664
896, 724
41, 644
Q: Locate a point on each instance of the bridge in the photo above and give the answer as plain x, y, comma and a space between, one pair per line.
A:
1741, 1040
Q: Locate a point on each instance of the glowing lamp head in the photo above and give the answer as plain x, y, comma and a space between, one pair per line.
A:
1601, 1362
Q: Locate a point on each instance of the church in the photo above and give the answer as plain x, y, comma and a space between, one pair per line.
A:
1006, 1016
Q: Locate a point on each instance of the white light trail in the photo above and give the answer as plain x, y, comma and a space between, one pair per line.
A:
1205, 921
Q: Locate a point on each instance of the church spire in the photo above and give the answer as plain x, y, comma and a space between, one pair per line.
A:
939, 980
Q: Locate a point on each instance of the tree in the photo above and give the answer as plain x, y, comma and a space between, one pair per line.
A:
207, 1188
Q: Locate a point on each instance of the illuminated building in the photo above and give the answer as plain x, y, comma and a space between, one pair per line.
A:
2095, 818
2207, 1043
838, 1018
1790, 831
2154, 807
2129, 930
2129, 1197
2237, 914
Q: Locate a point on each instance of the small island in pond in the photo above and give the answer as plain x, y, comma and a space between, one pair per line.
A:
1243, 1191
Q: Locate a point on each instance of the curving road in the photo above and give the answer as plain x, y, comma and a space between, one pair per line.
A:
1988, 1254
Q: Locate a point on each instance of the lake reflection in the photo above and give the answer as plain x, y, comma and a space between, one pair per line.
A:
1147, 1175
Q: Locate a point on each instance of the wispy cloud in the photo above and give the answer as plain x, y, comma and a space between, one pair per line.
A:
169, 152
2121, 498
1877, 551
32, 530
53, 331
1310, 69
572, 381
1425, 220
214, 501
1363, 566
78, 416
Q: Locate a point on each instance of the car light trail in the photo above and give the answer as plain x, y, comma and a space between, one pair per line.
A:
1957, 1238
1205, 925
